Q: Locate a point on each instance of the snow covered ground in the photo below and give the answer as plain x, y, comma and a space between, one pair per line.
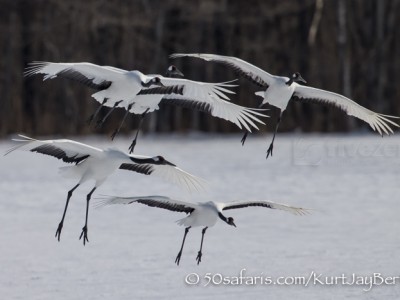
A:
352, 183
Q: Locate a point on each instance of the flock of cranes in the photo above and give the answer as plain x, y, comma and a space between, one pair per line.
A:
141, 94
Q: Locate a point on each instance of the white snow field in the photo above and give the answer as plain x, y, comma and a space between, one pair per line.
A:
351, 181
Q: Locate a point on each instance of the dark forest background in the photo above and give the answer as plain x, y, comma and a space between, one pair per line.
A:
347, 46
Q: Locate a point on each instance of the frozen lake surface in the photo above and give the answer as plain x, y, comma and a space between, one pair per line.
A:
352, 183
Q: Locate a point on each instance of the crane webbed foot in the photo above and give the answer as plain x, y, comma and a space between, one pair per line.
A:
269, 151
84, 235
59, 229
198, 258
178, 258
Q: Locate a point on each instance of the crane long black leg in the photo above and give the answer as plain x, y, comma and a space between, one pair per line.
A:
101, 122
200, 254
132, 146
178, 257
91, 118
271, 146
122, 122
85, 229
60, 225
243, 140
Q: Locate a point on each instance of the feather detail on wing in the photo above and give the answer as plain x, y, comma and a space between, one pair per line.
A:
152, 201
201, 90
239, 115
241, 67
65, 150
165, 170
378, 122
267, 204
161, 90
93, 76
179, 177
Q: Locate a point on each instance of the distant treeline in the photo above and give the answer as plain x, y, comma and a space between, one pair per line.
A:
347, 46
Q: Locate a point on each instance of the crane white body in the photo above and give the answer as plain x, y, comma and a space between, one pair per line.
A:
125, 86
278, 94
112, 83
204, 215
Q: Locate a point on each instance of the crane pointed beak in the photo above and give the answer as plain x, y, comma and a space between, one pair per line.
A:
174, 72
301, 79
166, 162
178, 73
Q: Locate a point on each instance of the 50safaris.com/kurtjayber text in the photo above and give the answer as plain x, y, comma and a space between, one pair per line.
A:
365, 281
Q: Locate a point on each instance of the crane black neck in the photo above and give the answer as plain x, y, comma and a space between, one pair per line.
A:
289, 82
222, 217
146, 85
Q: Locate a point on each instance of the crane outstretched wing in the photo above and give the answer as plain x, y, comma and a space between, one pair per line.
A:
66, 150
91, 75
267, 204
160, 167
152, 201
378, 122
243, 68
